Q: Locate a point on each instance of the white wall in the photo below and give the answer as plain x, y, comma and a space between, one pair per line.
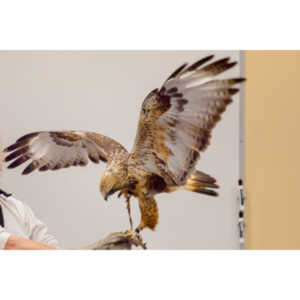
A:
102, 91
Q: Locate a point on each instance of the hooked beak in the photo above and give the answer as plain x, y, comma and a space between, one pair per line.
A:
112, 191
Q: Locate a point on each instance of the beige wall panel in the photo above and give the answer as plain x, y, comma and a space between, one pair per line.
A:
272, 149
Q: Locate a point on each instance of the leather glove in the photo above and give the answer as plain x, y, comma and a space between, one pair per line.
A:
114, 241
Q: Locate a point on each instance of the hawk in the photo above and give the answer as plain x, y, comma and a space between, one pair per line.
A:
175, 125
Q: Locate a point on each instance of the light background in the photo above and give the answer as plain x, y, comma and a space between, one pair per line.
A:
103, 91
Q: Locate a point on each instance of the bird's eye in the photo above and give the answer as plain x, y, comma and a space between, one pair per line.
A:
132, 186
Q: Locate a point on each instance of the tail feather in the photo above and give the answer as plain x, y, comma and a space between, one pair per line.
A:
202, 183
202, 177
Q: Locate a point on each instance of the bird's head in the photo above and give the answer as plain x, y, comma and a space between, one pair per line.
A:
113, 179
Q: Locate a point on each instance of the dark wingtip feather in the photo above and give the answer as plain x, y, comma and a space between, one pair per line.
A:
15, 146
25, 173
18, 161
82, 163
199, 63
230, 65
27, 136
239, 80
177, 71
233, 91
57, 167
16, 153
30, 168
226, 101
44, 168
221, 61
94, 159
219, 66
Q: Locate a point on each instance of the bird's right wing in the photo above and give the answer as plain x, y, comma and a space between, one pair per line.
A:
176, 120
53, 150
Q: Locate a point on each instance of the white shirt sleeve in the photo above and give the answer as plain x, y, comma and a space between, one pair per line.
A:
37, 230
4, 236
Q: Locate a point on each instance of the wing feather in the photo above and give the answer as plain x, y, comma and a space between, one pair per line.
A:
176, 121
53, 150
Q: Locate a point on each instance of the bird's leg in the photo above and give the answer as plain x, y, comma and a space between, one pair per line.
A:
133, 235
129, 210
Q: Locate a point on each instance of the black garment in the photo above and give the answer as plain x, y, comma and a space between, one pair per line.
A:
4, 193
1, 213
1, 217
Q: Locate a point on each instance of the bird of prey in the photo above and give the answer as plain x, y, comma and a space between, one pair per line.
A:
175, 125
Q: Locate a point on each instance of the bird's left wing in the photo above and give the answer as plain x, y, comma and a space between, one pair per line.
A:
53, 150
176, 121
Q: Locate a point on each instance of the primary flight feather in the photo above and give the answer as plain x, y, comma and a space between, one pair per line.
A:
174, 127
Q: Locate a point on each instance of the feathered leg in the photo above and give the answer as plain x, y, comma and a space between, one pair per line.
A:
129, 210
149, 213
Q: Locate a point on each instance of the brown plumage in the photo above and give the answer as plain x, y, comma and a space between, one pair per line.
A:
175, 126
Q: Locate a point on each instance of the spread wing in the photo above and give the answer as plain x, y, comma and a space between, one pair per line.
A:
53, 150
176, 121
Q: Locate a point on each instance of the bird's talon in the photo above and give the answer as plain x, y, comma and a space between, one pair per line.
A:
135, 238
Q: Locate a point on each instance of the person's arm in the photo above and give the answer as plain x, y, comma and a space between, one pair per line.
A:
18, 243
9, 241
